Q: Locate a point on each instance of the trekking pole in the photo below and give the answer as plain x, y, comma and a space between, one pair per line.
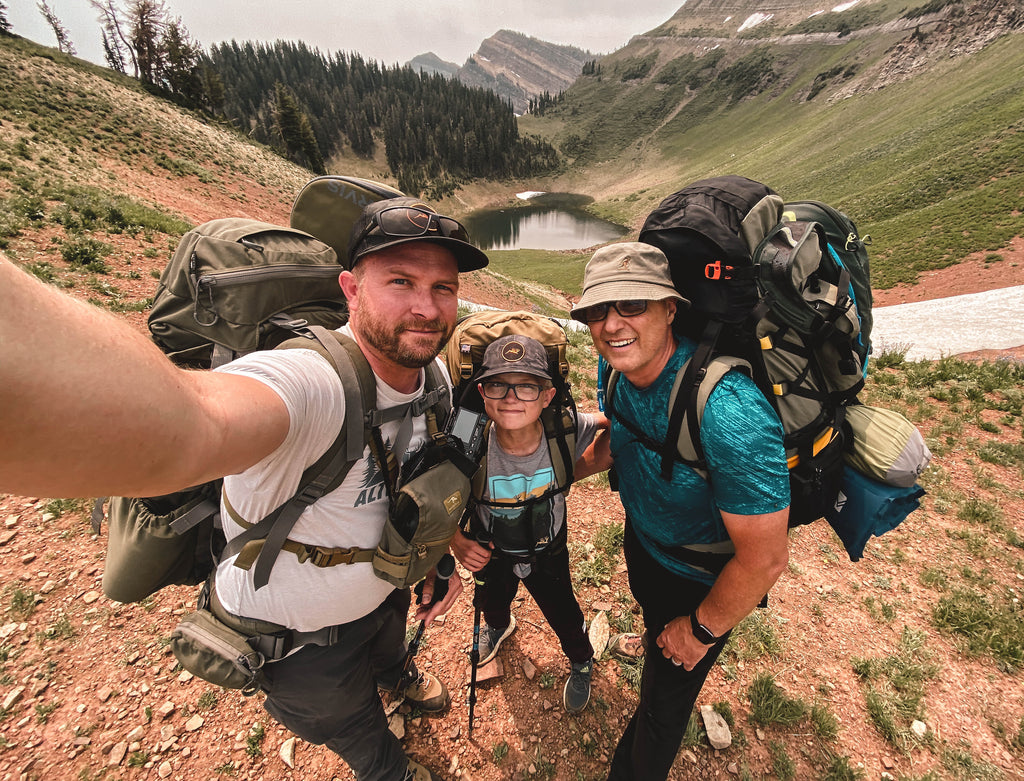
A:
445, 569
474, 655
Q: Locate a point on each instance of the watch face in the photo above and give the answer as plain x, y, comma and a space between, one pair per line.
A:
701, 632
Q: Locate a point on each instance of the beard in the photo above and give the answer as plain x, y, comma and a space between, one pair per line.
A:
411, 352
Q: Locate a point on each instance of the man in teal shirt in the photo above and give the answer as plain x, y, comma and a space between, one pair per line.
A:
689, 605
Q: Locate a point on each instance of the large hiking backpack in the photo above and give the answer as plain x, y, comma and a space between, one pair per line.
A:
234, 286
237, 285
328, 206
770, 294
464, 357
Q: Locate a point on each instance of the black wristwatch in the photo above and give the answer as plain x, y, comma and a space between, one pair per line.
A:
701, 632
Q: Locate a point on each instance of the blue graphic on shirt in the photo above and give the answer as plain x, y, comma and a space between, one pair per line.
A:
515, 489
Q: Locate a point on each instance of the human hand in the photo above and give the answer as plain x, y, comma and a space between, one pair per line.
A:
471, 554
678, 644
428, 609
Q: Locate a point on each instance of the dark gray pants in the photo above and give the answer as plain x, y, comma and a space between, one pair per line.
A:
328, 695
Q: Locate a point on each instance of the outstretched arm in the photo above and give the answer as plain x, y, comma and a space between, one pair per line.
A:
90, 407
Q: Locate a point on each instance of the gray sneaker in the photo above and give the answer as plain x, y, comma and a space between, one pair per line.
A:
491, 640
577, 688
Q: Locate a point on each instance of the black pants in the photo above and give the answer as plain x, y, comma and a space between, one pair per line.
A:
328, 695
651, 740
550, 585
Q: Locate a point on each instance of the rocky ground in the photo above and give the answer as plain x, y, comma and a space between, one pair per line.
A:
89, 689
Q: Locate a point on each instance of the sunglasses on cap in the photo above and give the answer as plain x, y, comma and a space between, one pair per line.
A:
408, 222
598, 312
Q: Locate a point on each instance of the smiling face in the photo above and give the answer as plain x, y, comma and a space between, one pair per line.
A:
638, 346
511, 414
404, 303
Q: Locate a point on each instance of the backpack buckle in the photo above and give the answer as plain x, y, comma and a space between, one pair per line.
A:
716, 271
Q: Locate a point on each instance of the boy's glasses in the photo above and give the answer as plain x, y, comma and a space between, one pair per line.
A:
598, 312
525, 391
403, 222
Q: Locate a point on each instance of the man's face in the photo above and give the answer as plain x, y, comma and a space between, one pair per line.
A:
405, 301
638, 346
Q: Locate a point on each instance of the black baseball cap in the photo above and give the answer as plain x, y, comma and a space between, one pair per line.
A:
394, 221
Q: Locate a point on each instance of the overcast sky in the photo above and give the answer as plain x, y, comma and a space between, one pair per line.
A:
389, 31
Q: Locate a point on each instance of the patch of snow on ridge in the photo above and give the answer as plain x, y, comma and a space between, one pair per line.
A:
845, 6
525, 196
753, 20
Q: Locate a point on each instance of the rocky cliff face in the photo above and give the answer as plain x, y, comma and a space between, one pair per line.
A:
515, 66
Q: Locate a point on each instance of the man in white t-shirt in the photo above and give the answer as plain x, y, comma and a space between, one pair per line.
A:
75, 382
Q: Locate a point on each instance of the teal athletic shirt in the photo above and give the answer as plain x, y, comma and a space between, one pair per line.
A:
742, 440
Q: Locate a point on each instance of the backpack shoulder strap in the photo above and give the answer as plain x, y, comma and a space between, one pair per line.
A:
328, 471
687, 444
560, 433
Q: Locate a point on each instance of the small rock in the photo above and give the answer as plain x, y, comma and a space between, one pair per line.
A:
598, 632
602, 606
28, 558
489, 671
529, 669
104, 694
117, 754
12, 697
718, 732
887, 763
90, 596
165, 770
47, 587
919, 728
12, 520
690, 757
455, 732
195, 723
135, 734
165, 710
733, 769
185, 676
287, 752
397, 725
6, 537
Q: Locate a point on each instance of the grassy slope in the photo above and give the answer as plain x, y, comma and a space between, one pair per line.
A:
931, 167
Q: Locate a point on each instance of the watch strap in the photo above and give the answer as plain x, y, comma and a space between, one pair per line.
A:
701, 632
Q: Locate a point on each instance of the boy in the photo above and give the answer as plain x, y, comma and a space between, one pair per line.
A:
522, 513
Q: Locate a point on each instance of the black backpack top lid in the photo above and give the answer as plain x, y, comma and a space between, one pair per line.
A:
708, 231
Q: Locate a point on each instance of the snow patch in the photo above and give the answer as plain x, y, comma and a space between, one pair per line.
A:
525, 196
753, 20
845, 6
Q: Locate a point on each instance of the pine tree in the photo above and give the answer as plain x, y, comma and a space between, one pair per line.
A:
59, 30
5, 25
295, 130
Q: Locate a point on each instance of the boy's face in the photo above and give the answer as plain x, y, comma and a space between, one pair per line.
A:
511, 413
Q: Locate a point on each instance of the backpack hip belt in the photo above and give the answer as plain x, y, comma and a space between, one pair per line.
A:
272, 640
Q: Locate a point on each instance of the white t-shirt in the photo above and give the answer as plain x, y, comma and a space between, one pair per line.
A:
302, 596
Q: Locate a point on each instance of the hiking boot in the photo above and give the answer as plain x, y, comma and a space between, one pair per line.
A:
491, 640
427, 693
628, 645
417, 772
577, 688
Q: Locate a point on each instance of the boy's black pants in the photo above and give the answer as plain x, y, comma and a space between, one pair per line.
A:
550, 585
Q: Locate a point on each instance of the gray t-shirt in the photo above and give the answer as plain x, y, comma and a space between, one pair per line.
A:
514, 480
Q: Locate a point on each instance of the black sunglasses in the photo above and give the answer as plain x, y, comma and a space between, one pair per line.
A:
598, 312
407, 222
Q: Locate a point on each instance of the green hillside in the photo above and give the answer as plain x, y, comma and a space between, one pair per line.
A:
931, 166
